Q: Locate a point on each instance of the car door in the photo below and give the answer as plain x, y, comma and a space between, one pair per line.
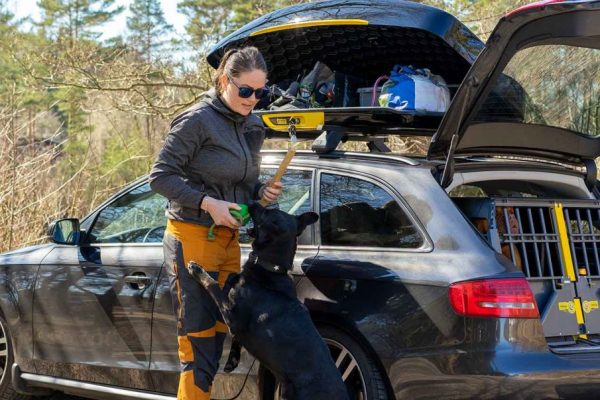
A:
368, 269
164, 367
93, 302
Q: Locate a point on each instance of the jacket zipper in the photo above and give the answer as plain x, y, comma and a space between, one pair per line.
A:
245, 161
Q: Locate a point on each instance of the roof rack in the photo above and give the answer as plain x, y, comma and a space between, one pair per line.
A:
349, 154
331, 126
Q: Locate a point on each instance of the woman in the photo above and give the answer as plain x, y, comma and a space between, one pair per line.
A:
208, 164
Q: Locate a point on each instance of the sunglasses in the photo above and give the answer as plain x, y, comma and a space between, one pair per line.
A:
244, 91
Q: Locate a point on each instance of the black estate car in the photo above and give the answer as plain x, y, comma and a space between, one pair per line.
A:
471, 272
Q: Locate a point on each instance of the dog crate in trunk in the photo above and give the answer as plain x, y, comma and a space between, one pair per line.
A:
556, 245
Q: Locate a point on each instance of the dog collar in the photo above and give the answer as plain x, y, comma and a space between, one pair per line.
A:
268, 265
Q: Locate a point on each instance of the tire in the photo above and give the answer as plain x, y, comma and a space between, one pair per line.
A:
362, 376
6, 361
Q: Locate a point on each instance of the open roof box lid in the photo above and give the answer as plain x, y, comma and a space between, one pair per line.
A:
363, 40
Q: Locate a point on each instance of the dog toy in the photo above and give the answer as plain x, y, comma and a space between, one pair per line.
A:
242, 216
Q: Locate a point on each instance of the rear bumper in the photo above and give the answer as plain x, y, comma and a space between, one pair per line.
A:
497, 374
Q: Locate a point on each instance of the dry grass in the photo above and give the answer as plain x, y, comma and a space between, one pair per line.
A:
29, 194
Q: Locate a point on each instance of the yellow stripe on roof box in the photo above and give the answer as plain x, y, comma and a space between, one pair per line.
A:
309, 24
307, 120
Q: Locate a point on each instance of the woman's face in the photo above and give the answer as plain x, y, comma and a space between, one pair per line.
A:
254, 79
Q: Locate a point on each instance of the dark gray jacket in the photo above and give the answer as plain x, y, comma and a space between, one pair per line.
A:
210, 150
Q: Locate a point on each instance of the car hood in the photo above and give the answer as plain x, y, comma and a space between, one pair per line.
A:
477, 131
31, 255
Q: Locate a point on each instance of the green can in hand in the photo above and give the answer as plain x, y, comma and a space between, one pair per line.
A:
242, 216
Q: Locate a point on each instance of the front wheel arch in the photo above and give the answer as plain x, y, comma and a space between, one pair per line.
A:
374, 380
7, 391
324, 321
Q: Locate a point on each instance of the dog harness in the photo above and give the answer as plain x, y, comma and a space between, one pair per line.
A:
269, 266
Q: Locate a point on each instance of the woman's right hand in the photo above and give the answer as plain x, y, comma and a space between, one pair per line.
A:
219, 211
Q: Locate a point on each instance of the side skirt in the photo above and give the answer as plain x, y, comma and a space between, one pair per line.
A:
78, 388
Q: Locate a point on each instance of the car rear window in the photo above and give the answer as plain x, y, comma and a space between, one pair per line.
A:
554, 85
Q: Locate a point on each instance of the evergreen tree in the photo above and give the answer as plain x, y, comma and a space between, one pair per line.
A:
148, 27
247, 11
211, 20
208, 20
9, 72
75, 19
5, 15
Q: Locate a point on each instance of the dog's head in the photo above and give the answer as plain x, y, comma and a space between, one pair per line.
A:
275, 233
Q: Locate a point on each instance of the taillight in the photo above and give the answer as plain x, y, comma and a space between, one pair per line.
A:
508, 298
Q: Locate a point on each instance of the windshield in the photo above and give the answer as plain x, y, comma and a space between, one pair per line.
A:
554, 85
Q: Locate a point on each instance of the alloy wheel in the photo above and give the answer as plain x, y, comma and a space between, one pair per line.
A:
349, 369
3, 353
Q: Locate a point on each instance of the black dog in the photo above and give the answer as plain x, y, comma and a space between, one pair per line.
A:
264, 315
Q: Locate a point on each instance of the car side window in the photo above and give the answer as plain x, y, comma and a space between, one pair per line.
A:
136, 217
296, 196
355, 212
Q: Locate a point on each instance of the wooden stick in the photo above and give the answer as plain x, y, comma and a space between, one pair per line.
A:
281, 170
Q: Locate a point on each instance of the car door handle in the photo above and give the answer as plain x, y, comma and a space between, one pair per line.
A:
137, 279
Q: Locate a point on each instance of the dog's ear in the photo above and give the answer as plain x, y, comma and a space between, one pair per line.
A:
306, 219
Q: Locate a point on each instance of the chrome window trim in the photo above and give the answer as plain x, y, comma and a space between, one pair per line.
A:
300, 246
149, 244
422, 249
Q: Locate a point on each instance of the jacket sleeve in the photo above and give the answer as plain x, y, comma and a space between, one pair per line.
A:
168, 176
258, 137
257, 190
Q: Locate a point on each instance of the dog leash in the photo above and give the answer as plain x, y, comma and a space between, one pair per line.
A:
244, 217
243, 384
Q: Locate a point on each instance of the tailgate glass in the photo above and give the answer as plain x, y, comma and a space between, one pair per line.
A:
553, 85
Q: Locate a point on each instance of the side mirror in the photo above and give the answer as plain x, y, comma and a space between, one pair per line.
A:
64, 231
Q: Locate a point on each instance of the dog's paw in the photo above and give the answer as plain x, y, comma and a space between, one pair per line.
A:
199, 274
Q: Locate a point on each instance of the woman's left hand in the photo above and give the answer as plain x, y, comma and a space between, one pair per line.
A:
272, 191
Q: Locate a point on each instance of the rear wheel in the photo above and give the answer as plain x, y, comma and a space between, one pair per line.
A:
6, 361
363, 379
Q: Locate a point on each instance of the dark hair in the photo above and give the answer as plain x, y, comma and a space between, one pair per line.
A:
236, 61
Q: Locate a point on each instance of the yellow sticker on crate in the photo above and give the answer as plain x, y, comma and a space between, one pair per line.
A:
590, 305
567, 306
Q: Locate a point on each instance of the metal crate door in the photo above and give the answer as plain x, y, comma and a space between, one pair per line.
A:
533, 234
582, 225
